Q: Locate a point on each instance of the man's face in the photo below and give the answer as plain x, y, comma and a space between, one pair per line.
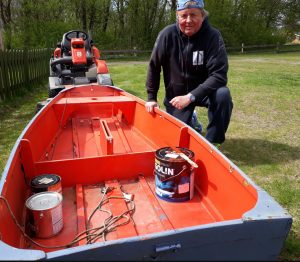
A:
190, 20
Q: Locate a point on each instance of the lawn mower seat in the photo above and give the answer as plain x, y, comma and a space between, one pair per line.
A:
76, 61
66, 44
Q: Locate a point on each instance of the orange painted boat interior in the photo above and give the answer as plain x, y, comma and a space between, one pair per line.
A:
94, 137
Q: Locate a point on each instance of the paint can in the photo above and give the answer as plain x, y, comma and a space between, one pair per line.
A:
174, 176
45, 214
46, 182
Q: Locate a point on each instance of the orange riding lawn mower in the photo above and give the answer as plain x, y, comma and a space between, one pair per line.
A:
76, 61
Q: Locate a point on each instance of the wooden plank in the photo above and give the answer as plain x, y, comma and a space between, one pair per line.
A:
93, 100
6, 74
12, 70
92, 197
118, 207
26, 68
122, 135
81, 226
15, 72
18, 69
8, 59
185, 214
86, 139
23, 68
92, 170
145, 218
96, 130
163, 218
76, 149
29, 60
106, 138
2, 90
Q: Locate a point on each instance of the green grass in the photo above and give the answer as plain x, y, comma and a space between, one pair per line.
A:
14, 116
263, 138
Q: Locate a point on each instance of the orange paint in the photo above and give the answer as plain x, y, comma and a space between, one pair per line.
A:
70, 138
78, 51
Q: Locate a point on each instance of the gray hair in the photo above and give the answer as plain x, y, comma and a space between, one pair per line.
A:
204, 13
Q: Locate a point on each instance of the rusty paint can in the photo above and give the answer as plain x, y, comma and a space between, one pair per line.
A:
46, 182
45, 214
174, 176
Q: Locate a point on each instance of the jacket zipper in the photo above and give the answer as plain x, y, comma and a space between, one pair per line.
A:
186, 69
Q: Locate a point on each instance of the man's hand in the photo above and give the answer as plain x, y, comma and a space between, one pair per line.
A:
150, 106
181, 102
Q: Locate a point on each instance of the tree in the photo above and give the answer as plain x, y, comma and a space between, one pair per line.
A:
247, 21
6, 18
105, 14
125, 24
1, 36
291, 18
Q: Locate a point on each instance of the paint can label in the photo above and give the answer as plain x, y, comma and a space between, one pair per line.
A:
174, 177
45, 215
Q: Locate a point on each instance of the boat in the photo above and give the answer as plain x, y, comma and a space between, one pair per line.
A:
107, 152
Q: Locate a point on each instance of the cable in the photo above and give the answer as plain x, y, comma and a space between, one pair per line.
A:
91, 234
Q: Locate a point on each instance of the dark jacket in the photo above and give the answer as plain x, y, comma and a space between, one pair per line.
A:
196, 64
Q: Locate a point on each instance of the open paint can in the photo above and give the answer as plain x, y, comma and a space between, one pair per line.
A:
174, 176
46, 182
45, 214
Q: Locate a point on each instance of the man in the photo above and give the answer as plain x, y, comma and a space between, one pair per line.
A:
194, 62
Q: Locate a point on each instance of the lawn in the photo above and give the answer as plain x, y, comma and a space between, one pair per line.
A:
263, 137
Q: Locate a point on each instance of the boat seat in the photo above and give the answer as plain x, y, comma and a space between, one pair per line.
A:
74, 171
104, 99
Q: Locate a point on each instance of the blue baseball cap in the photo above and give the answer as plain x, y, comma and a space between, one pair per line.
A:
183, 4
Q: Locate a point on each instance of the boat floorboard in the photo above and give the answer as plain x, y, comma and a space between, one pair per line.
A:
152, 214
85, 137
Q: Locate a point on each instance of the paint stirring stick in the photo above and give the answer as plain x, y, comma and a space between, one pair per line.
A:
185, 157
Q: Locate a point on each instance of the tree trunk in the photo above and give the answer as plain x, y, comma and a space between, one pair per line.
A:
6, 17
83, 16
106, 15
1, 36
173, 5
92, 19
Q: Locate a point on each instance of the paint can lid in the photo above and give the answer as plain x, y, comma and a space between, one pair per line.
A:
44, 201
45, 180
169, 154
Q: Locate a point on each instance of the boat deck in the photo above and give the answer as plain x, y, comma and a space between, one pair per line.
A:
110, 142
84, 137
96, 147
151, 215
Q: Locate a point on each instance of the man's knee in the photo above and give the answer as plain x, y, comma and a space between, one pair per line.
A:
223, 96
